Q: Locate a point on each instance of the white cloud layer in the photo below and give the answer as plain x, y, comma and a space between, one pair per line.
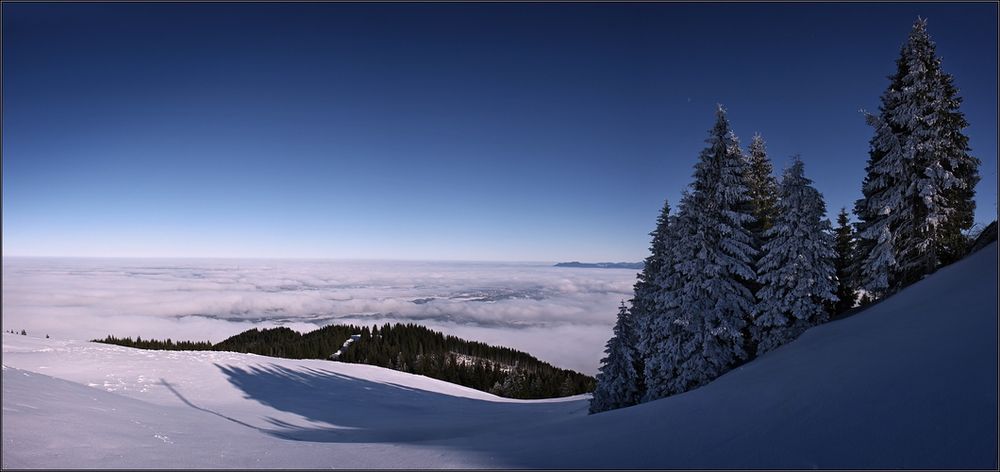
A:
561, 315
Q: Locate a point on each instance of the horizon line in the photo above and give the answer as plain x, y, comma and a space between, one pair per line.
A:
279, 258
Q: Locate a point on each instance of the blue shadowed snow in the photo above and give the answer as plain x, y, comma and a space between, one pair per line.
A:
908, 383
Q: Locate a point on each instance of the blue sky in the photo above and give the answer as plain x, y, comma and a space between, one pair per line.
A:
511, 132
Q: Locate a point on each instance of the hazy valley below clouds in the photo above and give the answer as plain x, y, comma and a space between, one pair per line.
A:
561, 315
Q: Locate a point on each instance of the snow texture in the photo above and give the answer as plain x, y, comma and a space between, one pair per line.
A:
908, 383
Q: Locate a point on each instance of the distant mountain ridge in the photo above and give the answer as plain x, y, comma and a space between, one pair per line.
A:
602, 265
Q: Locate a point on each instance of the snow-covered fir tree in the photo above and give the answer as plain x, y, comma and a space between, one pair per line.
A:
878, 210
645, 286
844, 263
617, 379
645, 289
797, 269
941, 174
664, 333
705, 290
763, 187
920, 182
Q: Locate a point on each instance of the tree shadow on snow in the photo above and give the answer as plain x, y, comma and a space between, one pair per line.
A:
350, 409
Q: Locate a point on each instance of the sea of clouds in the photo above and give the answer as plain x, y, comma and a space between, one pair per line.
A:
560, 315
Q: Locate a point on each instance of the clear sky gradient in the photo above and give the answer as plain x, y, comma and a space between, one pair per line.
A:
514, 132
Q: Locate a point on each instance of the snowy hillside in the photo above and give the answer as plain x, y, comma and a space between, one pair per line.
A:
911, 382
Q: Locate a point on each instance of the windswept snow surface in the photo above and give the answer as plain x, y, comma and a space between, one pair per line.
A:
910, 382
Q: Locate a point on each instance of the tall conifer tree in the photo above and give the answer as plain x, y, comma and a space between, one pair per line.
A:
705, 292
763, 188
845, 247
645, 290
662, 340
797, 269
920, 177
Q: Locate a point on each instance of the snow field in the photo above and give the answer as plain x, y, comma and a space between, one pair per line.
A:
908, 383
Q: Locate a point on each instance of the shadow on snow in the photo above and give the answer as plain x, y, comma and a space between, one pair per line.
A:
351, 409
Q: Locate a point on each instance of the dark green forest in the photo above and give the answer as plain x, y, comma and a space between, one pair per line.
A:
166, 345
404, 347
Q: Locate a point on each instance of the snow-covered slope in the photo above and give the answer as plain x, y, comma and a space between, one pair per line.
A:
911, 382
